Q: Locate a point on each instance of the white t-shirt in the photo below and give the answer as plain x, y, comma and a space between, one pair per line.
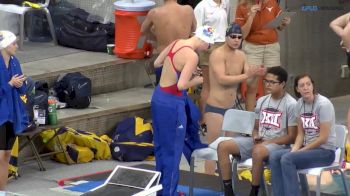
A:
207, 12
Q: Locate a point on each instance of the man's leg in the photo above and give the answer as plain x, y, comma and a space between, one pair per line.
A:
276, 171
226, 148
214, 124
259, 155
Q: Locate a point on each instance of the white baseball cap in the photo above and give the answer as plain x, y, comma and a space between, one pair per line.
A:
205, 33
6, 38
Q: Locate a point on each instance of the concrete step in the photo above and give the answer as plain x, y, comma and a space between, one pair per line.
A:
107, 73
107, 109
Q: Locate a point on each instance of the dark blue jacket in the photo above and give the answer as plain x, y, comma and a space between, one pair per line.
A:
11, 106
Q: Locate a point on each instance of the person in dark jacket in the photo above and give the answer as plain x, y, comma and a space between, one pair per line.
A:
13, 117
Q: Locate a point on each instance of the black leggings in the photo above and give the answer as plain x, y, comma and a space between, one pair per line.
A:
7, 136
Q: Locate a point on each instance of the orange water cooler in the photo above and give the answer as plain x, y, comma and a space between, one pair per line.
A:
129, 15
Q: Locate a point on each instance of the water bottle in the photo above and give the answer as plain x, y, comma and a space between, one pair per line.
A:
52, 111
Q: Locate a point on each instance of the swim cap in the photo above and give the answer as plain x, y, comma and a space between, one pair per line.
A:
6, 38
234, 28
205, 33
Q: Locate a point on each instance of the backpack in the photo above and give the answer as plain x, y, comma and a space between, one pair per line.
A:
78, 31
36, 101
74, 89
132, 140
40, 107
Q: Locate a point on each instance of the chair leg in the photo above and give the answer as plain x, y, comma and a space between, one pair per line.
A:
191, 176
52, 28
304, 185
318, 186
264, 184
62, 148
234, 173
146, 66
21, 31
344, 182
36, 154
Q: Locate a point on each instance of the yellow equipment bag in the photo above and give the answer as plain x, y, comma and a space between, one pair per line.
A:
76, 154
247, 174
83, 139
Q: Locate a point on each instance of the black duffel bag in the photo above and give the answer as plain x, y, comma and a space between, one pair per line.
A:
74, 89
78, 32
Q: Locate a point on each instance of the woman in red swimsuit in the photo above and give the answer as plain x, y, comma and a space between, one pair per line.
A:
169, 103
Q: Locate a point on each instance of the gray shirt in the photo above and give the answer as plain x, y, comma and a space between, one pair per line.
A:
275, 116
312, 115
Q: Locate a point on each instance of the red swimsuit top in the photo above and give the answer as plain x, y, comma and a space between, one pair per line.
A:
173, 88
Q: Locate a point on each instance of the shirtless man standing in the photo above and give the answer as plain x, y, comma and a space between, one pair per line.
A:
169, 22
227, 69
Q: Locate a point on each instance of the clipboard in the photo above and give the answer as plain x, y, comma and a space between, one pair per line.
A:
278, 20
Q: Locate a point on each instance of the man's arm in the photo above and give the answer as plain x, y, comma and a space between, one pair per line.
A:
339, 24
194, 21
218, 65
147, 23
255, 133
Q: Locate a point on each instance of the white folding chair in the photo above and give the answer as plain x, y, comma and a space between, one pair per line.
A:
237, 121
241, 122
22, 10
341, 135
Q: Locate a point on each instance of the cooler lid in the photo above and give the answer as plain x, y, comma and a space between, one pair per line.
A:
134, 5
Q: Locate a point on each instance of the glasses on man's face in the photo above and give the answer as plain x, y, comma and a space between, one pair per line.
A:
234, 36
271, 82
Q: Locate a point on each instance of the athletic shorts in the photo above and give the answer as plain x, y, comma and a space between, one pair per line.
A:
267, 55
204, 55
214, 109
7, 136
245, 145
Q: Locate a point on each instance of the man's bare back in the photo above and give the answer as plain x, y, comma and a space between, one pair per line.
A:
228, 62
169, 22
